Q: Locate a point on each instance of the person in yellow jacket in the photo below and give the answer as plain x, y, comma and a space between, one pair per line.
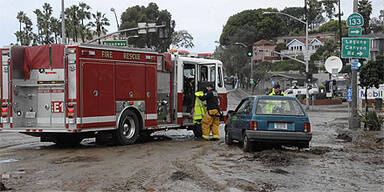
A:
212, 118
277, 91
198, 113
271, 106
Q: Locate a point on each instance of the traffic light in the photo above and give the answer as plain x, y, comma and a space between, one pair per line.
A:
250, 51
309, 77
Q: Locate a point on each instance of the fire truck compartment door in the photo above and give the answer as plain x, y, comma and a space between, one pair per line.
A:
98, 94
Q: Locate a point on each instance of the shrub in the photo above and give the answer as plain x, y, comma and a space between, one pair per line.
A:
372, 121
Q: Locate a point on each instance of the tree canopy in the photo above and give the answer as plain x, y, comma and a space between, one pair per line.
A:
250, 26
332, 27
150, 14
365, 9
48, 28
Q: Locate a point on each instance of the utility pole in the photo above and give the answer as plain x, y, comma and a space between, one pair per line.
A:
354, 122
306, 57
63, 37
340, 29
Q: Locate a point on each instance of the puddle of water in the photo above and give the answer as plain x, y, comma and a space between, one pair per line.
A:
8, 160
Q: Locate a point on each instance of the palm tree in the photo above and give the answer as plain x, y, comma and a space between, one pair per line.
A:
39, 18
99, 22
73, 21
55, 26
82, 15
21, 17
46, 16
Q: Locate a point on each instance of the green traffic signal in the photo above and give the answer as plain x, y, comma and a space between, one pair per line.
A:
309, 77
250, 50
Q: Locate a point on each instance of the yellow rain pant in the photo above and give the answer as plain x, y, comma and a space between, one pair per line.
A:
211, 120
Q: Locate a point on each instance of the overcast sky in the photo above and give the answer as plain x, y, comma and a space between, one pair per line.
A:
204, 19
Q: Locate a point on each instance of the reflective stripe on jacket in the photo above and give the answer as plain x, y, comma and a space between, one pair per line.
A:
281, 93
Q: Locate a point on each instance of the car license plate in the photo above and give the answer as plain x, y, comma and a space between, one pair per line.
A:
281, 126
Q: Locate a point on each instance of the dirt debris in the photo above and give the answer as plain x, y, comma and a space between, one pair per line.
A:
75, 159
319, 150
179, 175
280, 171
2, 187
198, 176
344, 136
246, 185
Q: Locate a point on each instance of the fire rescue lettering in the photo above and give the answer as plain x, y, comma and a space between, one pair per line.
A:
106, 54
131, 56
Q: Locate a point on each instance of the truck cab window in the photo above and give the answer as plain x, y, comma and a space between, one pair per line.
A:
188, 87
203, 74
212, 73
220, 77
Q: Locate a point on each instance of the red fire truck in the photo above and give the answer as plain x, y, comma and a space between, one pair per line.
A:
64, 94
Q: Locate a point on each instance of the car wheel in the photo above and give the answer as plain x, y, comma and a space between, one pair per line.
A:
128, 129
246, 143
228, 138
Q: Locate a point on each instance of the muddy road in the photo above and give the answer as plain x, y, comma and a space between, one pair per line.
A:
174, 161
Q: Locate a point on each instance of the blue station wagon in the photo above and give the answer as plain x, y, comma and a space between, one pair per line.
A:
276, 120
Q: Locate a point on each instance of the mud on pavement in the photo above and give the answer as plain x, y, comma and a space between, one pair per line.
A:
174, 161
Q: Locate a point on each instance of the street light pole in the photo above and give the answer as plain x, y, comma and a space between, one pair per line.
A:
117, 21
251, 61
306, 55
63, 37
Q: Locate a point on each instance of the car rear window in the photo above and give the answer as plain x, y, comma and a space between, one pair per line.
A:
278, 107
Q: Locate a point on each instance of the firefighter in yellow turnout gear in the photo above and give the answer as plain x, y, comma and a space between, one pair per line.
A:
277, 91
199, 111
271, 104
212, 118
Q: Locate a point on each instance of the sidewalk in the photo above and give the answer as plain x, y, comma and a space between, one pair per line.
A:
330, 108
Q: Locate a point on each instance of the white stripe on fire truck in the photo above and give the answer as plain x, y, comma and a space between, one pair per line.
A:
98, 119
48, 120
151, 116
179, 115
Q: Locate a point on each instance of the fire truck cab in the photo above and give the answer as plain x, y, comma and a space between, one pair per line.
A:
64, 94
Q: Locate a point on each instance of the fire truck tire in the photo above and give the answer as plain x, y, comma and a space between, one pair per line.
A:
128, 130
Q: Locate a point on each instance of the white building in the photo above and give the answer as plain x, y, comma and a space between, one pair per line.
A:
297, 46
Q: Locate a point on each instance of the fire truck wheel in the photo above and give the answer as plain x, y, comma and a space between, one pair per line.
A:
128, 131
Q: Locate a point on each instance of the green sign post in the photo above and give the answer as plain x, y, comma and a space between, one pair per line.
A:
354, 31
355, 48
116, 43
355, 20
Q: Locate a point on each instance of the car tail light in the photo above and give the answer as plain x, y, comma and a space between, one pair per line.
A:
252, 125
307, 127
4, 110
